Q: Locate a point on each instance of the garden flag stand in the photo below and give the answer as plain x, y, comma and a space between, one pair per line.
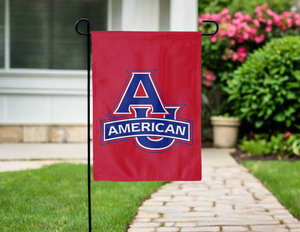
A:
146, 105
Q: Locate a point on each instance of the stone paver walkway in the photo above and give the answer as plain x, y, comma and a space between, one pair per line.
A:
228, 198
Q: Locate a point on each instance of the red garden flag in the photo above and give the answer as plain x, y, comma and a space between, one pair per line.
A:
146, 105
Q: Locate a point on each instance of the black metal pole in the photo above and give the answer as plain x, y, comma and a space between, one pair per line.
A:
88, 36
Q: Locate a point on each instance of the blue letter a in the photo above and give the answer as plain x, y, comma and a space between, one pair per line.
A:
129, 97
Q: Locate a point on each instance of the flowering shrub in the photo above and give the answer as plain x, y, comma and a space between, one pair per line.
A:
240, 35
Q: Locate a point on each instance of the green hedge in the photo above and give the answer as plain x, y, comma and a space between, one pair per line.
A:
265, 90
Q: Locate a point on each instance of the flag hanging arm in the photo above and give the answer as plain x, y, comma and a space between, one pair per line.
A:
89, 32
217, 27
88, 35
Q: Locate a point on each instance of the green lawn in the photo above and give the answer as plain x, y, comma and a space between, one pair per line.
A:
54, 198
282, 179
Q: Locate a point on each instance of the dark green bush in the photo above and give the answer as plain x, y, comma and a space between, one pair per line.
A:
265, 90
280, 145
256, 147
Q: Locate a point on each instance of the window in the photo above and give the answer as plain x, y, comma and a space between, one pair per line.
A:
42, 34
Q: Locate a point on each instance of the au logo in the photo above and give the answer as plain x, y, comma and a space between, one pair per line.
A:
142, 115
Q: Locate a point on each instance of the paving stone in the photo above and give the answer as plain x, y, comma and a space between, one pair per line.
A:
178, 219
202, 229
162, 209
140, 229
235, 228
267, 228
168, 224
141, 220
189, 215
293, 225
169, 229
144, 224
241, 222
153, 203
291, 221
189, 224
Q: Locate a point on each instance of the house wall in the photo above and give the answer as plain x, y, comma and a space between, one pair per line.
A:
50, 105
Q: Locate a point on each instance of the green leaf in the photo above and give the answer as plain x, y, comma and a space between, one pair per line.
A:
291, 95
259, 124
280, 117
288, 123
282, 70
244, 110
297, 126
296, 58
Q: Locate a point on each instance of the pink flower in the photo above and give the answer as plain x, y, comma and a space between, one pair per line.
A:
258, 9
231, 31
229, 51
215, 17
242, 54
209, 76
247, 17
200, 20
228, 17
276, 19
253, 31
269, 22
265, 5
297, 21
213, 39
205, 16
260, 38
270, 13
241, 59
235, 57
246, 27
241, 49
245, 35
224, 57
261, 19
222, 32
224, 11
240, 39
287, 135
287, 14
238, 15
236, 21
268, 28
232, 42
207, 83
289, 22
256, 22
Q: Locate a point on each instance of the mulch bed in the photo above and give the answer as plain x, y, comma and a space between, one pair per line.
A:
241, 156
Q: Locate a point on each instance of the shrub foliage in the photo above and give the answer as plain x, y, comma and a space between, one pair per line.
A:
265, 90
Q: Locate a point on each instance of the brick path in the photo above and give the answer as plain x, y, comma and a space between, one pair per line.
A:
227, 199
